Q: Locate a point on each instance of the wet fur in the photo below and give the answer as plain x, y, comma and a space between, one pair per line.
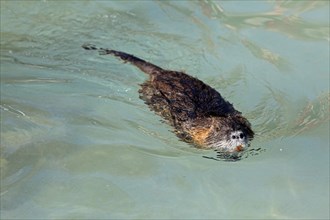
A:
198, 113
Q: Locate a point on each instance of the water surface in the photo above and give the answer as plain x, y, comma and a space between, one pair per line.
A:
77, 142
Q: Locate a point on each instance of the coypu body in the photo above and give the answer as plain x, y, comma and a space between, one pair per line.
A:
198, 113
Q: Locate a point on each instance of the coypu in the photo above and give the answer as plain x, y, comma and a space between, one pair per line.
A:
198, 113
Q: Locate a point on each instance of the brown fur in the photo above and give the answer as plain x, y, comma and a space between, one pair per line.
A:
198, 113
199, 136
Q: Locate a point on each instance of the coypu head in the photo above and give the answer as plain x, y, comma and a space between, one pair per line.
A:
231, 134
228, 134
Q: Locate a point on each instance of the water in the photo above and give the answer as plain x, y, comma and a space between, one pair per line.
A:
77, 142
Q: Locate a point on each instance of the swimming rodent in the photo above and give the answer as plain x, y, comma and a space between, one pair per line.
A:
198, 113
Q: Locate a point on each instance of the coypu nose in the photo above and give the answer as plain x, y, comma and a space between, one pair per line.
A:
239, 148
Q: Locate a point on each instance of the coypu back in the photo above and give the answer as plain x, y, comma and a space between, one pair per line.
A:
177, 92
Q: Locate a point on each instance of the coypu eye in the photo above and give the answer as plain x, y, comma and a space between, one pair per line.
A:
241, 136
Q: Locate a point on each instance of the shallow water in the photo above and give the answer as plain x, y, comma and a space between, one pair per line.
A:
77, 142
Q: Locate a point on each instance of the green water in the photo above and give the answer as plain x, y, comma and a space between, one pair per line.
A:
77, 142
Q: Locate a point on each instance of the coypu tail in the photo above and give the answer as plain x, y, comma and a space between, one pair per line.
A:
143, 65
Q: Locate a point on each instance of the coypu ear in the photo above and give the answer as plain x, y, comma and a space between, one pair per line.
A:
246, 126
